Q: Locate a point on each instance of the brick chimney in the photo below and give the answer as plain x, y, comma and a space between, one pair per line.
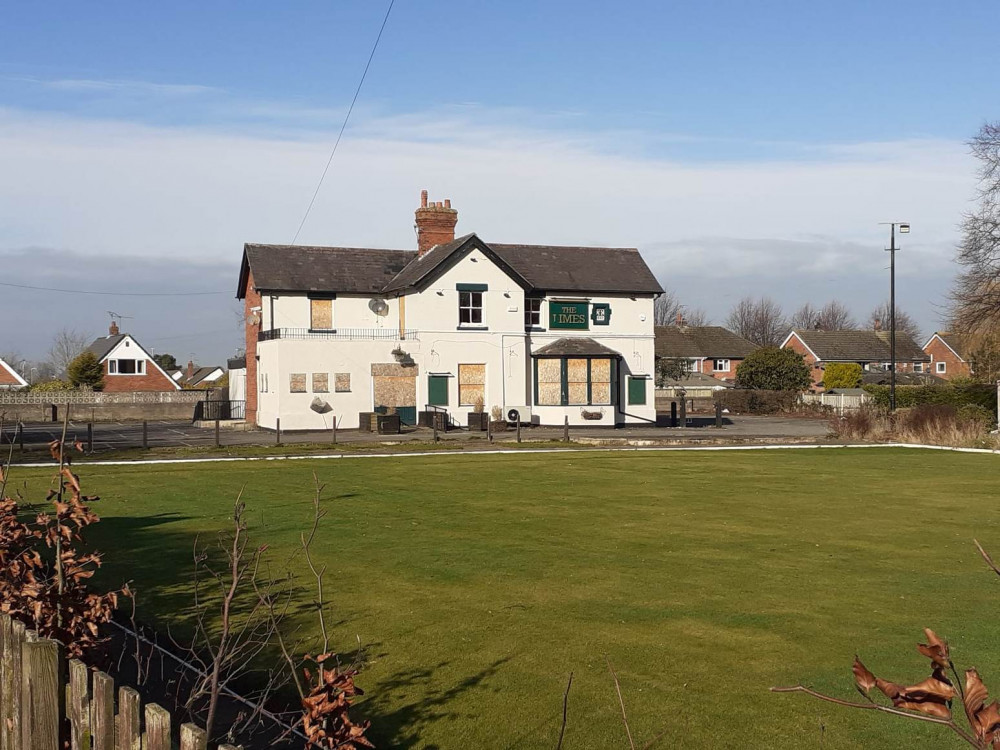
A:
190, 369
877, 324
680, 319
113, 329
435, 223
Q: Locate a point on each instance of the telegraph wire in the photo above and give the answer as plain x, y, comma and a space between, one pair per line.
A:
343, 127
110, 294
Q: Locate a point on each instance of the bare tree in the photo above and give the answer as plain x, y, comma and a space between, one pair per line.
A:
976, 296
695, 317
665, 309
66, 346
760, 321
833, 316
905, 325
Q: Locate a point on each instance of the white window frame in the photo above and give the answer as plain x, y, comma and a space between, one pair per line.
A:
918, 366
140, 367
716, 368
471, 307
533, 318
942, 367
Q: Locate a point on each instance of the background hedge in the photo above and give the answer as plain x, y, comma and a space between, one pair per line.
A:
974, 394
757, 401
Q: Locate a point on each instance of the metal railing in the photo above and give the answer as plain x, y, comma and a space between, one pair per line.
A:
209, 411
339, 334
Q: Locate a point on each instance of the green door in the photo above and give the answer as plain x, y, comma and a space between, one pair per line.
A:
636, 391
437, 390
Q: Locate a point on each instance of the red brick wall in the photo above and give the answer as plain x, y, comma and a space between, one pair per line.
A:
797, 346
153, 380
251, 300
709, 369
939, 352
6, 378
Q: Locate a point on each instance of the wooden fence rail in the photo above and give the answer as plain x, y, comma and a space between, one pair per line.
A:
38, 691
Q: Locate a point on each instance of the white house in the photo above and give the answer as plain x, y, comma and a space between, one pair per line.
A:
553, 332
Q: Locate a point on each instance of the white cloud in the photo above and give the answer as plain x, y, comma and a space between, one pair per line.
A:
114, 187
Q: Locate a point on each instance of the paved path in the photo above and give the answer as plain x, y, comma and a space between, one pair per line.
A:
163, 433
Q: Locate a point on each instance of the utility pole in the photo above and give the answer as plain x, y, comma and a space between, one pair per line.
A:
904, 228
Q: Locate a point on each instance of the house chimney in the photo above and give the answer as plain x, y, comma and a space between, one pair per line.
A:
680, 319
878, 324
435, 223
190, 369
113, 329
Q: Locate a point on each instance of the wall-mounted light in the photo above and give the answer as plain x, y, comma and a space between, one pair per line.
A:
440, 293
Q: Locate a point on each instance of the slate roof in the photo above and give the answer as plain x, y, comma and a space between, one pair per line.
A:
700, 341
199, 375
102, 347
538, 268
584, 346
559, 268
860, 346
237, 363
303, 268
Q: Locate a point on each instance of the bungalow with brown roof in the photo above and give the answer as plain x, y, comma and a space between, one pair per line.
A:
711, 350
10, 379
870, 349
949, 355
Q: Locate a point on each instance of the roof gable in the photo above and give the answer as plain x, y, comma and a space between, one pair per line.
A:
429, 266
9, 376
953, 341
103, 347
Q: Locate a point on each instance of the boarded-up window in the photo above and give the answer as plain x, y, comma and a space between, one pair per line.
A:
297, 382
321, 382
549, 382
342, 382
471, 384
321, 314
600, 381
576, 381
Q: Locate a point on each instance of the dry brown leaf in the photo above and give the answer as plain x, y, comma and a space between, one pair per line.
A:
936, 649
864, 679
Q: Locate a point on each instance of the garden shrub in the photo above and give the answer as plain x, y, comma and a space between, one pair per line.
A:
52, 385
842, 375
978, 414
771, 368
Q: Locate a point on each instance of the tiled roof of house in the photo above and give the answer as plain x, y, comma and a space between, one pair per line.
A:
199, 375
102, 347
700, 341
237, 363
583, 346
541, 268
302, 268
859, 346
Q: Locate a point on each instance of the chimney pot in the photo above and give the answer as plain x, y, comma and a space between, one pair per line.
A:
435, 223
447, 203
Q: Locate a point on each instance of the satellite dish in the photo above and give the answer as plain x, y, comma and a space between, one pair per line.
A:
378, 306
320, 406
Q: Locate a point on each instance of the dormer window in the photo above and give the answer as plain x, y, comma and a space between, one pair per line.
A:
470, 305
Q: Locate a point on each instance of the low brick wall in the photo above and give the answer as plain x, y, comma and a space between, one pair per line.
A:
100, 407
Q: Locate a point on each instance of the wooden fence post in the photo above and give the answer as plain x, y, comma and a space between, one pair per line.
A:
78, 705
11, 648
193, 738
145, 435
102, 712
42, 694
127, 735
157, 735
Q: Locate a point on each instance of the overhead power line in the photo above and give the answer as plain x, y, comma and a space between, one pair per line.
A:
110, 294
343, 127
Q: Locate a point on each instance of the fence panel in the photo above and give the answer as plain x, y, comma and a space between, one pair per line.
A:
38, 690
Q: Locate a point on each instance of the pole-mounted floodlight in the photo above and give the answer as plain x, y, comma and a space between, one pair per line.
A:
904, 228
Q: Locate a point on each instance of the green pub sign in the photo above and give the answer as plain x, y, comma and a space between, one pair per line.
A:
568, 315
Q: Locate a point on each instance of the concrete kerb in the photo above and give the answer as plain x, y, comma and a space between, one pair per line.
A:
451, 454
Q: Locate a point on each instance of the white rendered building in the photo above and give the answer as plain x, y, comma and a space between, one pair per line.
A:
553, 332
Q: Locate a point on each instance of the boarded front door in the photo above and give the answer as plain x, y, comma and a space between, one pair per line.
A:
395, 388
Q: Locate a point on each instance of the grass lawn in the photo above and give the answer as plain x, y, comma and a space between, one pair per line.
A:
479, 583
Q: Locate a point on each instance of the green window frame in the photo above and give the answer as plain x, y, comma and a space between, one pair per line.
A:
636, 391
437, 390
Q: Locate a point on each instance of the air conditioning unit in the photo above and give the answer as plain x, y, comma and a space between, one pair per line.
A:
524, 415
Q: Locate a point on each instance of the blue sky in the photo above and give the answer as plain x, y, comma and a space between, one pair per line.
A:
774, 135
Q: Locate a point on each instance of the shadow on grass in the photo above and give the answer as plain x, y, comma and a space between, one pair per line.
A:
402, 705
